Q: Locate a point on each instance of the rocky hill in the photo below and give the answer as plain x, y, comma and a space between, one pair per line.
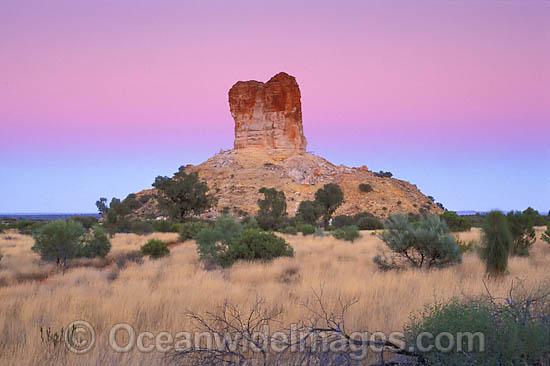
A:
269, 151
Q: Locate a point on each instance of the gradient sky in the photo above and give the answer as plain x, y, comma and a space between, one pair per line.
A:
99, 97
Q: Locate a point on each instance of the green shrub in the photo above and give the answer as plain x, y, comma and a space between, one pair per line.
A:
309, 212
190, 229
256, 245
465, 246
155, 248
175, 227
546, 235
522, 229
289, 230
496, 243
423, 245
141, 227
319, 232
58, 241
515, 331
162, 226
306, 229
349, 233
213, 243
456, 223
1, 256
363, 220
365, 188
96, 243
250, 222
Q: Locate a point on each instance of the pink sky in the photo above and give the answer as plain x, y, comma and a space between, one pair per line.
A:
384, 83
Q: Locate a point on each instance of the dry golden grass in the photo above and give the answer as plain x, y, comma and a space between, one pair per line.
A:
153, 296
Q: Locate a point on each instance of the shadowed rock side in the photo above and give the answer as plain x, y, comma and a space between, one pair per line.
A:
270, 152
268, 116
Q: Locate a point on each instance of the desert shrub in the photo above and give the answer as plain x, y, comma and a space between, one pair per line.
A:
87, 221
272, 210
319, 232
256, 245
290, 230
506, 332
365, 188
2, 228
522, 229
1, 256
96, 243
423, 245
496, 243
141, 227
309, 212
349, 233
306, 229
155, 248
161, 226
249, 222
330, 197
456, 223
191, 228
341, 221
183, 194
465, 246
546, 235
368, 222
121, 259
58, 241
213, 243
175, 227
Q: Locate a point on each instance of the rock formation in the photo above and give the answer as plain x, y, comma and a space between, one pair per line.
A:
268, 115
270, 152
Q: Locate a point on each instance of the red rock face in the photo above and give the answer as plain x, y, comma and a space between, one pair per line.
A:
268, 115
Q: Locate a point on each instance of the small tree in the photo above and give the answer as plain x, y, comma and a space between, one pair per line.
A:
424, 245
309, 212
496, 243
522, 229
96, 243
330, 197
114, 215
272, 208
155, 248
59, 241
349, 233
182, 195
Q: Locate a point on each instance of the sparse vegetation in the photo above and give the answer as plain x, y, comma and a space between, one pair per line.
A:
191, 228
289, 230
424, 245
496, 243
383, 174
545, 236
306, 229
155, 249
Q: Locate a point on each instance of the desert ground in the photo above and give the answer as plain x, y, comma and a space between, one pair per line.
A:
155, 295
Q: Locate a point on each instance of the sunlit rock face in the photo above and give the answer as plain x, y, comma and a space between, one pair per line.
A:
268, 115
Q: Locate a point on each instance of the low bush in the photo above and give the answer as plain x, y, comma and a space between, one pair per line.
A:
349, 233
319, 232
507, 332
162, 226
190, 229
363, 220
289, 230
365, 188
256, 245
155, 248
425, 244
123, 258
306, 229
522, 229
546, 235
141, 227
